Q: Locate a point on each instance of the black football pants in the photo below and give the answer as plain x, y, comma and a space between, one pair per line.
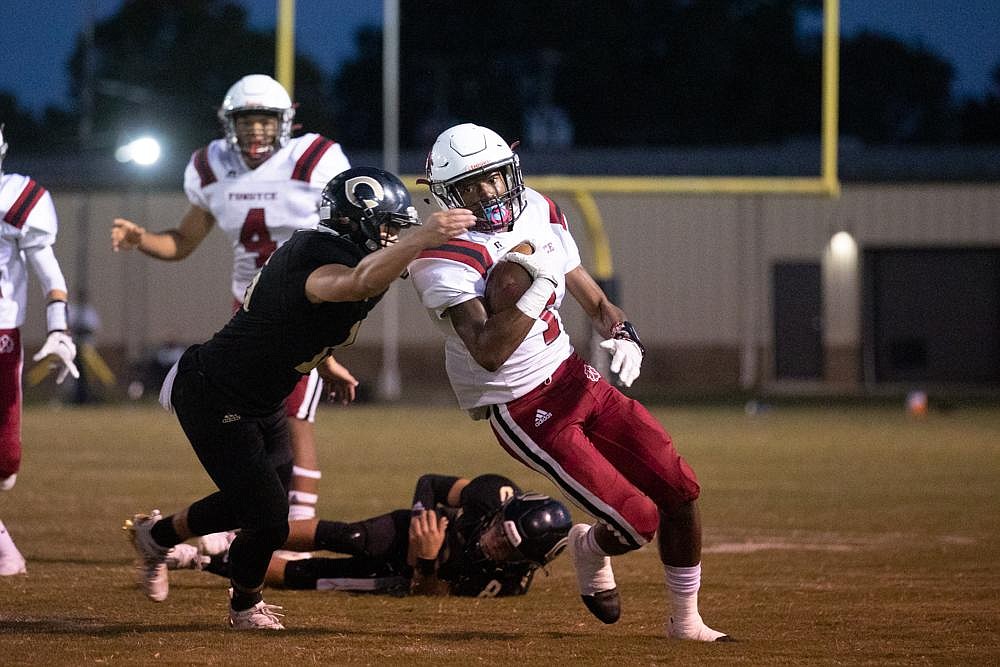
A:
250, 459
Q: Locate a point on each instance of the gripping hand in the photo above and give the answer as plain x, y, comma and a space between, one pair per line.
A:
537, 264
61, 347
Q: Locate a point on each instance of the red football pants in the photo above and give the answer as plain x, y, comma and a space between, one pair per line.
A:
11, 363
605, 450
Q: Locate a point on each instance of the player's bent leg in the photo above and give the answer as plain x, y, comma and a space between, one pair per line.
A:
594, 576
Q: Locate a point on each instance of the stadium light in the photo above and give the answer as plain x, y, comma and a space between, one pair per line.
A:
843, 247
144, 151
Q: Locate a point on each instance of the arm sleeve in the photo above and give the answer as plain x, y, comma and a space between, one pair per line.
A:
46, 267
442, 284
432, 489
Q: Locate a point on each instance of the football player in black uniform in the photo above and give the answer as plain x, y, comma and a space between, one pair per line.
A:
309, 298
478, 538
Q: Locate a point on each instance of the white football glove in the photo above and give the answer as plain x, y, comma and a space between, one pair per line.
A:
538, 265
60, 346
626, 358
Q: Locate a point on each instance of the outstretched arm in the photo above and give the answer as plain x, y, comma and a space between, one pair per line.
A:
374, 273
604, 314
170, 245
621, 339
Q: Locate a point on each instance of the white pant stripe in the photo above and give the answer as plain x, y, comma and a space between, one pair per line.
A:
314, 392
538, 459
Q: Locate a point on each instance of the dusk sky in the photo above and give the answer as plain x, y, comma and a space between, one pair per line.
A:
38, 37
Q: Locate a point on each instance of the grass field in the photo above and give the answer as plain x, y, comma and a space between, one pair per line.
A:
833, 536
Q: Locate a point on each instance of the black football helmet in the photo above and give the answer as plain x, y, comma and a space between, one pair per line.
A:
357, 203
528, 527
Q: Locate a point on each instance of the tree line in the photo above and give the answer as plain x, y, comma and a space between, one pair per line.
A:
626, 73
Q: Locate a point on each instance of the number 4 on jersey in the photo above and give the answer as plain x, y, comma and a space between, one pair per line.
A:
255, 237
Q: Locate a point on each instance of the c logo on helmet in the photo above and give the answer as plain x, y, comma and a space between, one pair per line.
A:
362, 197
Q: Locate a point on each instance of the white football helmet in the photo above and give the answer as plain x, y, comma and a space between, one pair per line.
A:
469, 151
3, 148
257, 93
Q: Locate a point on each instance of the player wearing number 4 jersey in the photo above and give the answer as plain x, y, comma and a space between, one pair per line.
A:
548, 408
258, 185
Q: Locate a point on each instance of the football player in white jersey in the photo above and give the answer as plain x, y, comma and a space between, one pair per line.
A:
549, 408
28, 228
259, 185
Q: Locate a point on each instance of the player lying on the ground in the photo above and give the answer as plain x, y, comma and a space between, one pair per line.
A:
483, 537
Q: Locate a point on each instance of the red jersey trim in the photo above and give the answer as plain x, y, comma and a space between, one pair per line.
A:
307, 163
19, 211
556, 216
471, 254
201, 165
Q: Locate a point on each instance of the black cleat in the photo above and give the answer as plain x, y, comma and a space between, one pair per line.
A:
605, 605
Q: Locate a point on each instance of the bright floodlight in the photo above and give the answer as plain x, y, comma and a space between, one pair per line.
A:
843, 246
143, 151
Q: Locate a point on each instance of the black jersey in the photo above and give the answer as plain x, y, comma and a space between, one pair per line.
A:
279, 335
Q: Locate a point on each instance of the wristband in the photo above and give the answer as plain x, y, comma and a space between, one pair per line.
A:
55, 316
532, 303
625, 331
426, 566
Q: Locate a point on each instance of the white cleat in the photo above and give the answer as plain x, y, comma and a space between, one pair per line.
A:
11, 561
594, 577
696, 631
261, 616
151, 560
215, 543
186, 557
7, 483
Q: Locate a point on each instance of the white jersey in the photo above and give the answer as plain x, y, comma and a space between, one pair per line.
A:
456, 272
260, 208
27, 220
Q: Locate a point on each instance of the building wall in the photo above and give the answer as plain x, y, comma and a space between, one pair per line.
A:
693, 271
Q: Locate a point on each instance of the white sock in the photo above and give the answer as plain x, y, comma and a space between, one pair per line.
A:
604, 578
302, 504
683, 584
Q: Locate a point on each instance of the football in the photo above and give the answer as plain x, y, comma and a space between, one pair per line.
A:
506, 282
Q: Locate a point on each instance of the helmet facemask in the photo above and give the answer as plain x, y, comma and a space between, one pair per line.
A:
493, 214
256, 145
368, 206
528, 528
469, 152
